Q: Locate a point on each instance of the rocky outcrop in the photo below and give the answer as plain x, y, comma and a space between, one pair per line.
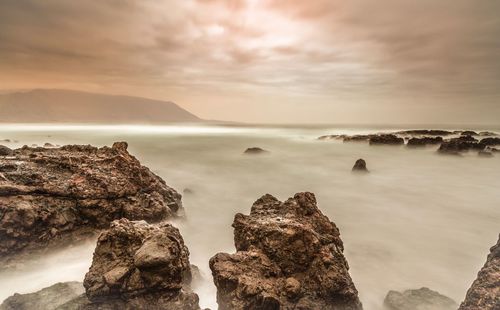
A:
492, 141
457, 145
484, 293
49, 298
418, 142
57, 196
140, 266
469, 133
357, 138
425, 132
360, 166
421, 299
255, 151
386, 139
289, 256
5, 151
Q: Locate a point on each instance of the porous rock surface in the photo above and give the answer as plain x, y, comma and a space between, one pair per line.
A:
289, 256
421, 299
61, 195
484, 293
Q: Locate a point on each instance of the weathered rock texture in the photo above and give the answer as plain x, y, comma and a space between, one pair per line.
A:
484, 293
140, 266
289, 256
49, 298
57, 196
421, 299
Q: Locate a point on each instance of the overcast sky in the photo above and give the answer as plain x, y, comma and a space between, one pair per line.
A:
316, 61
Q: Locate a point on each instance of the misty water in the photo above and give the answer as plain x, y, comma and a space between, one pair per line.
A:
417, 219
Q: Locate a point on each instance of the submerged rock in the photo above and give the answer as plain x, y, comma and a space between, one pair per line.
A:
140, 266
416, 142
53, 197
289, 256
484, 293
421, 299
49, 298
5, 151
360, 166
255, 150
386, 139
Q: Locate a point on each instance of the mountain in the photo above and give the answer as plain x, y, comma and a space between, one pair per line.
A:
68, 106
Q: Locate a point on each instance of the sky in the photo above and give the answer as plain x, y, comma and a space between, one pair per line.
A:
267, 61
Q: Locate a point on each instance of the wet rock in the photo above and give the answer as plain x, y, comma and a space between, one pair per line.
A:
492, 141
140, 266
417, 142
289, 256
421, 299
465, 138
49, 298
54, 197
469, 133
425, 132
360, 166
458, 145
357, 138
484, 293
5, 151
386, 139
485, 154
255, 151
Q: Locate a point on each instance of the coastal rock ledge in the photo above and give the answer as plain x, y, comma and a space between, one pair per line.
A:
289, 256
58, 196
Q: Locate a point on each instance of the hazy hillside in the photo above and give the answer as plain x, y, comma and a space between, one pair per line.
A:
64, 106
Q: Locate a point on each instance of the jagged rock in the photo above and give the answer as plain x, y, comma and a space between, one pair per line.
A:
421, 299
484, 293
360, 166
416, 142
5, 151
425, 132
386, 139
53, 197
492, 141
484, 154
357, 138
289, 256
457, 145
140, 266
49, 298
469, 133
255, 150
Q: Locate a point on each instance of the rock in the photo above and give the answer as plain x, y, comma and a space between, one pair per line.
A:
425, 132
140, 266
417, 142
484, 154
469, 133
490, 141
458, 145
255, 151
357, 138
465, 138
49, 298
488, 133
331, 137
386, 139
421, 299
360, 166
484, 293
47, 144
5, 151
53, 197
289, 256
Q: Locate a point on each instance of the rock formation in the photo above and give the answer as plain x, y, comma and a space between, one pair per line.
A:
425, 132
49, 298
289, 256
417, 142
140, 266
357, 138
484, 293
492, 141
386, 139
360, 166
5, 151
463, 144
421, 299
255, 150
57, 196
468, 133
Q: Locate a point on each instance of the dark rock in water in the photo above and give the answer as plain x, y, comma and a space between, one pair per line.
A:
416, 142
360, 166
357, 138
469, 133
289, 256
255, 150
49, 298
331, 137
458, 145
47, 144
421, 299
490, 141
53, 197
5, 151
484, 293
488, 133
140, 266
466, 138
425, 132
386, 139
484, 154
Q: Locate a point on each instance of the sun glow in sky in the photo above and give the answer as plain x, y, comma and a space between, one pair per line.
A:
324, 61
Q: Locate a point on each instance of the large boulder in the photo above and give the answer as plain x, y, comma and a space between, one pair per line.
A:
484, 293
423, 141
58, 196
421, 299
387, 139
458, 145
49, 298
360, 166
491, 141
140, 266
5, 151
289, 256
